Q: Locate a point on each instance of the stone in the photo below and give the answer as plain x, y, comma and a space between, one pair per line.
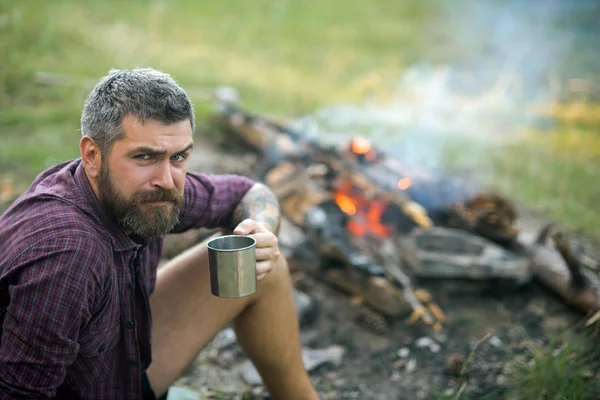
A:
429, 343
224, 339
403, 352
502, 380
312, 359
495, 341
180, 393
411, 365
249, 374
305, 307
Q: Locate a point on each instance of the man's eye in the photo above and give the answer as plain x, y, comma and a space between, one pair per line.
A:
178, 157
143, 157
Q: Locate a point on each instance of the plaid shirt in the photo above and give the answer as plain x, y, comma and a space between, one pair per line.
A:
75, 320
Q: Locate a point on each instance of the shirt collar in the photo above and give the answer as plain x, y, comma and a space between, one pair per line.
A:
120, 240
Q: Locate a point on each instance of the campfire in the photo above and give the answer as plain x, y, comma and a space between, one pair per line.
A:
373, 228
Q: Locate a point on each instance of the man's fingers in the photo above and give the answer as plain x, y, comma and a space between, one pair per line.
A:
263, 268
265, 239
267, 253
267, 246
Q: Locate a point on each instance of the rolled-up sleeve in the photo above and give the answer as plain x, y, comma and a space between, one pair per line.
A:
210, 200
51, 293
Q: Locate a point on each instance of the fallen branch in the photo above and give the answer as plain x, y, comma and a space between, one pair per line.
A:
559, 269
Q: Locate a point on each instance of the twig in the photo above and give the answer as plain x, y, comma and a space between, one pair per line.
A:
463, 370
460, 391
593, 319
472, 353
391, 266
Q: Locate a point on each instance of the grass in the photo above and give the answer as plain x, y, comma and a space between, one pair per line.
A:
562, 371
286, 57
554, 172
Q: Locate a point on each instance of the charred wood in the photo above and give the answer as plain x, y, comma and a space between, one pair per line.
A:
557, 267
488, 215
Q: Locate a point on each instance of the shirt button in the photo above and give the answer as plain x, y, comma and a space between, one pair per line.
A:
132, 286
130, 324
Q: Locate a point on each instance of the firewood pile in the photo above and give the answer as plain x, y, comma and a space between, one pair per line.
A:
372, 229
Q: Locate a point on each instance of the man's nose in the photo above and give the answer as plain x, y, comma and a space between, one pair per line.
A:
163, 176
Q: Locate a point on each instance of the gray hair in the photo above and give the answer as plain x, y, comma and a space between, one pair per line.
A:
146, 94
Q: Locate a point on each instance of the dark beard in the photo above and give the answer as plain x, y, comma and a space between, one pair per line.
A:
150, 221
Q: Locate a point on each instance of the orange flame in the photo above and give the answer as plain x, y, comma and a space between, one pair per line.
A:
365, 213
346, 203
404, 183
360, 145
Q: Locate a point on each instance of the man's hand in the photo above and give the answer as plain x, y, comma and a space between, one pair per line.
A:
267, 245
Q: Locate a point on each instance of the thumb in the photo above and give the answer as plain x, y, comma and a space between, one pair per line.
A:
245, 227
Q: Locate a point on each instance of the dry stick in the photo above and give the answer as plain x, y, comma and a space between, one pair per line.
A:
589, 262
593, 319
460, 391
463, 385
391, 267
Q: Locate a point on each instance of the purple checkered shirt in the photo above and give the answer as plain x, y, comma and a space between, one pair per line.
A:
75, 320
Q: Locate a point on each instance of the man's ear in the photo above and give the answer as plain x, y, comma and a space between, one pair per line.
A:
90, 156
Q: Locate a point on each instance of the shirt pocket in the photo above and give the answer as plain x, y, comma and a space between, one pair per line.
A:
96, 358
99, 343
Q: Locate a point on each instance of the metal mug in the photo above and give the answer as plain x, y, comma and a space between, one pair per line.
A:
232, 261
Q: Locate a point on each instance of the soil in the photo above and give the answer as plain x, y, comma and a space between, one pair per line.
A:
489, 323
375, 366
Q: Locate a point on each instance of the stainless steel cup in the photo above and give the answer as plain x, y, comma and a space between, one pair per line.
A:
232, 260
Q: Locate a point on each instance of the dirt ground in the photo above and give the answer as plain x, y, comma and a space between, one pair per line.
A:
394, 365
489, 323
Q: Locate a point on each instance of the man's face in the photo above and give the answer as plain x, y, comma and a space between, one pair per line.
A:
141, 180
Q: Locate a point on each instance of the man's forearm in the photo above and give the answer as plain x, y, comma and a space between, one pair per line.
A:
261, 205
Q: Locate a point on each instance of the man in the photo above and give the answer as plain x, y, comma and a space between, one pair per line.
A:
84, 313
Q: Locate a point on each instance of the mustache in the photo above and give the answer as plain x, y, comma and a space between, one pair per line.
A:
148, 196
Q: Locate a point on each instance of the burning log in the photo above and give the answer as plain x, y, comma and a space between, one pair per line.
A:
296, 189
558, 268
359, 212
375, 291
452, 253
351, 203
424, 309
362, 276
279, 142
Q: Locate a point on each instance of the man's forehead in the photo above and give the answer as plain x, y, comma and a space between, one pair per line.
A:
156, 133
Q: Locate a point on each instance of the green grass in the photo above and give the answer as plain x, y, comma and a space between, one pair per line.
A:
555, 172
286, 57
567, 370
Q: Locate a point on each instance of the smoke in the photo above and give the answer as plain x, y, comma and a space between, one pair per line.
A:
510, 57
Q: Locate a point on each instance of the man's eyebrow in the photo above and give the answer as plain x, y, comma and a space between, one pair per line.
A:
188, 147
155, 152
147, 150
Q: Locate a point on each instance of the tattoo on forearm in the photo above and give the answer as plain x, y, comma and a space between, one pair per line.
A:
261, 205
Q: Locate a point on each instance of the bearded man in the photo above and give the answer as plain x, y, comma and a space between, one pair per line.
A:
84, 311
